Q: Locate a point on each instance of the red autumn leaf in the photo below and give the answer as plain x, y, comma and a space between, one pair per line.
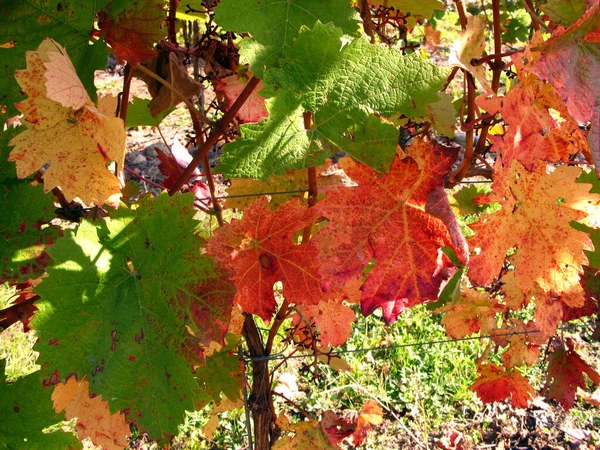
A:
535, 219
133, 34
474, 311
370, 415
385, 218
21, 309
331, 319
173, 165
565, 375
534, 134
569, 60
259, 250
495, 384
254, 109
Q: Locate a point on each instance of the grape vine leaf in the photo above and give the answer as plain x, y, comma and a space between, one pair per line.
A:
418, 9
535, 215
274, 25
147, 302
254, 109
173, 166
94, 420
168, 66
354, 82
565, 375
520, 337
138, 114
259, 250
77, 143
330, 319
443, 114
71, 22
409, 265
209, 429
474, 312
26, 410
565, 12
535, 135
134, 32
307, 434
23, 210
471, 45
371, 414
495, 384
570, 60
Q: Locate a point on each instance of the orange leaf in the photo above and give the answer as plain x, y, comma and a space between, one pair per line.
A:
259, 250
78, 143
522, 345
331, 318
385, 218
94, 419
495, 384
133, 34
370, 415
475, 311
534, 219
307, 435
534, 134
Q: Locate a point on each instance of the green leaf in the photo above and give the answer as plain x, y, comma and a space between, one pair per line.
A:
450, 293
131, 304
138, 114
464, 200
69, 22
345, 91
25, 410
565, 12
23, 210
274, 25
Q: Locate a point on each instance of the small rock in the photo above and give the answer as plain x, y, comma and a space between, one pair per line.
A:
135, 158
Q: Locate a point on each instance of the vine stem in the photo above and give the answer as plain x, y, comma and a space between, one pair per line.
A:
219, 130
171, 20
124, 103
497, 67
365, 14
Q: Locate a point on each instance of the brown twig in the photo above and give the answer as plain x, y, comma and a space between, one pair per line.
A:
484, 59
171, 21
282, 314
124, 103
365, 14
536, 22
295, 405
219, 129
211, 187
457, 176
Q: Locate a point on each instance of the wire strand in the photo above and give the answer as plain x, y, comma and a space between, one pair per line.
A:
281, 356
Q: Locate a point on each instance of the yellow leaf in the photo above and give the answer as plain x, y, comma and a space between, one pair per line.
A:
78, 143
94, 419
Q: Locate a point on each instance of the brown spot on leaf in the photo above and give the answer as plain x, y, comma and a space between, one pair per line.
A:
266, 261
